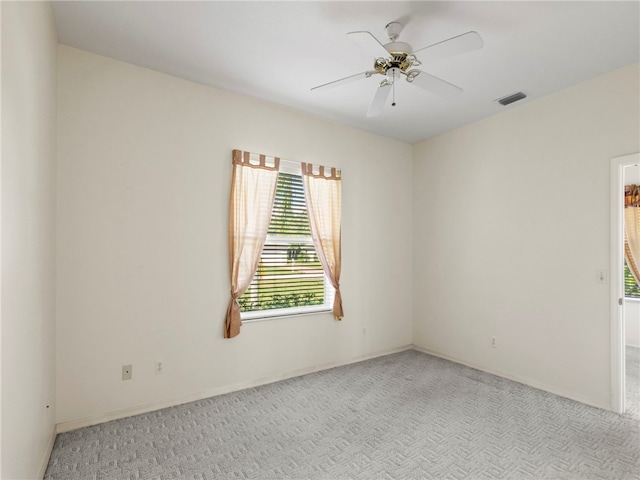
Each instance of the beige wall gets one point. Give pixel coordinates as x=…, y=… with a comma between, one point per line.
x=511, y=222
x=28, y=237
x=143, y=179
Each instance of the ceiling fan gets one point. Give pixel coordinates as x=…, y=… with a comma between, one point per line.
x=397, y=59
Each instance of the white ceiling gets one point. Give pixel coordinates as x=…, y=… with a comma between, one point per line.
x=278, y=51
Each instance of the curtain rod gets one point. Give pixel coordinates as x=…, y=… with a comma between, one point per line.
x=290, y=166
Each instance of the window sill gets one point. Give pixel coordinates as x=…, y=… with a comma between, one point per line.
x=632, y=299
x=283, y=312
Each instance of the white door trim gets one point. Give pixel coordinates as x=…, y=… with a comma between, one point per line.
x=617, y=282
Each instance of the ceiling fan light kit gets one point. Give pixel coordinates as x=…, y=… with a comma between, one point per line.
x=396, y=59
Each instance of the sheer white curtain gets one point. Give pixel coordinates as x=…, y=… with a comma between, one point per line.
x=253, y=190
x=323, y=194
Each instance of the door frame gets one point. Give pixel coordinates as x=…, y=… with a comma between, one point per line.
x=617, y=280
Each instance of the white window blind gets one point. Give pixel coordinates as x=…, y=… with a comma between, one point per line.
x=290, y=278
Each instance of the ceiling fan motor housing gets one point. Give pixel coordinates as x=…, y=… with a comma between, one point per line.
x=400, y=60
x=396, y=48
x=401, y=54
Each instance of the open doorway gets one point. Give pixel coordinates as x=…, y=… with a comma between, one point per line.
x=625, y=294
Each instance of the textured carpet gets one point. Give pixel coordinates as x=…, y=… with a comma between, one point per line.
x=407, y=415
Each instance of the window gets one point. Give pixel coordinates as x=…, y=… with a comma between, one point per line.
x=274, y=264
x=631, y=288
x=290, y=278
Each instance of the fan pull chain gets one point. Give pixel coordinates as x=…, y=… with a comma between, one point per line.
x=393, y=87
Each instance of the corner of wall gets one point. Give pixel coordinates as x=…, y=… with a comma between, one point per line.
x=27, y=286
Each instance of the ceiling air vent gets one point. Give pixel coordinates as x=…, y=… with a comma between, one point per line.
x=511, y=98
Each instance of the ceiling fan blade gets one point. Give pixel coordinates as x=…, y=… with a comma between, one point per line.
x=344, y=80
x=379, y=99
x=435, y=85
x=466, y=42
x=368, y=43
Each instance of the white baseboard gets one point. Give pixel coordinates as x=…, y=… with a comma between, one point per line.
x=516, y=378
x=150, y=407
x=47, y=453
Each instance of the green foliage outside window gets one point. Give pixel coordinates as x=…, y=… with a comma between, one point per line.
x=631, y=287
x=279, y=301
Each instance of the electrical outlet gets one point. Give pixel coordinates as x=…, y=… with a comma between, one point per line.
x=159, y=367
x=127, y=372
x=494, y=342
